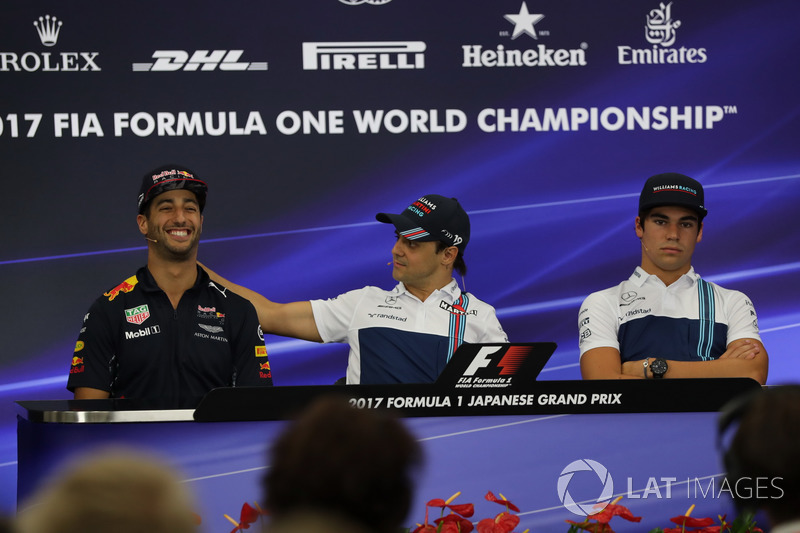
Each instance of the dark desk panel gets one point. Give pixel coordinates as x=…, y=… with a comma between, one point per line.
x=521, y=455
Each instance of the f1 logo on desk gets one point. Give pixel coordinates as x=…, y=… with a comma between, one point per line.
x=495, y=365
x=510, y=359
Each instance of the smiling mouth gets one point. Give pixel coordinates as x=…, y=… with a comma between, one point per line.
x=178, y=232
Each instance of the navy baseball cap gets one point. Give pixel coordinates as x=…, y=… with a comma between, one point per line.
x=432, y=218
x=169, y=177
x=672, y=188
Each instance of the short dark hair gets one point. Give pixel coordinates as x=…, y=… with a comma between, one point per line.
x=343, y=461
x=765, y=446
x=458, y=265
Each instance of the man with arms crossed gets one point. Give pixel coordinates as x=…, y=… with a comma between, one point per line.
x=168, y=332
x=665, y=321
x=407, y=334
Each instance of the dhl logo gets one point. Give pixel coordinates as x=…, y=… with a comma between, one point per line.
x=261, y=351
x=125, y=286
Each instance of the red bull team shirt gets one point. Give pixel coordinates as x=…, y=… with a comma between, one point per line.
x=134, y=344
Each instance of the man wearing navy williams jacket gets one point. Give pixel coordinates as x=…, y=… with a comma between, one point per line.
x=665, y=321
x=168, y=332
x=409, y=333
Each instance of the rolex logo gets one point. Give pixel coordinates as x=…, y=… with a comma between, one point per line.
x=48, y=28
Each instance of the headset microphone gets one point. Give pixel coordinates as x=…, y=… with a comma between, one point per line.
x=151, y=240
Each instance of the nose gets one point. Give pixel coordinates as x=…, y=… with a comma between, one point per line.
x=397, y=249
x=672, y=232
x=180, y=214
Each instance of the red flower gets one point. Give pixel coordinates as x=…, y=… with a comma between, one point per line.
x=687, y=521
x=611, y=510
x=492, y=498
x=454, y=523
x=248, y=516
x=464, y=509
x=502, y=523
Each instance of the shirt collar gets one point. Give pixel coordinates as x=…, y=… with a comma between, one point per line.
x=451, y=289
x=640, y=277
x=149, y=283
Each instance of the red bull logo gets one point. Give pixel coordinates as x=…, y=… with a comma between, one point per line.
x=77, y=365
x=125, y=286
x=264, y=366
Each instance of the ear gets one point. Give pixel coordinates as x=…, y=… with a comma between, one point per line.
x=700, y=233
x=141, y=220
x=449, y=255
x=639, y=227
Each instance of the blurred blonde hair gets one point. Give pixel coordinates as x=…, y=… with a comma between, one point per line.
x=113, y=490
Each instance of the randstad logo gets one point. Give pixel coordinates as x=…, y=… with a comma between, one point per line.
x=593, y=507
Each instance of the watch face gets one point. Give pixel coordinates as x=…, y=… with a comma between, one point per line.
x=658, y=367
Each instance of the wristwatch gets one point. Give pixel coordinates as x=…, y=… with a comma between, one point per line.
x=658, y=367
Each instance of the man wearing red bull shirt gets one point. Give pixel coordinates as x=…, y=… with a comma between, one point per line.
x=168, y=332
x=409, y=333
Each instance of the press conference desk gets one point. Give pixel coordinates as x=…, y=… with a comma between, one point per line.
x=657, y=439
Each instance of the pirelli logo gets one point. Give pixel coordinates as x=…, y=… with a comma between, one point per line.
x=377, y=55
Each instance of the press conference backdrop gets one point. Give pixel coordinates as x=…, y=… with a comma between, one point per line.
x=543, y=118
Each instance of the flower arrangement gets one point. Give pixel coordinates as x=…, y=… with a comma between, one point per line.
x=599, y=522
x=457, y=519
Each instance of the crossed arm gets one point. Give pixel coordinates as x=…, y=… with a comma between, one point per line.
x=295, y=319
x=743, y=358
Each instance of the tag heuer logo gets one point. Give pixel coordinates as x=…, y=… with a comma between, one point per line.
x=137, y=315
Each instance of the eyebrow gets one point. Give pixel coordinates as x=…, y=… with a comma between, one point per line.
x=665, y=217
x=172, y=201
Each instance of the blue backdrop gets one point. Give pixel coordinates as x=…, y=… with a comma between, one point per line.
x=543, y=117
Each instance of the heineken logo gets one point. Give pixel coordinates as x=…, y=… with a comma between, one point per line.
x=137, y=315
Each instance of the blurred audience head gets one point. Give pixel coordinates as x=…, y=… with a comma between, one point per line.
x=352, y=464
x=119, y=491
x=763, y=458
